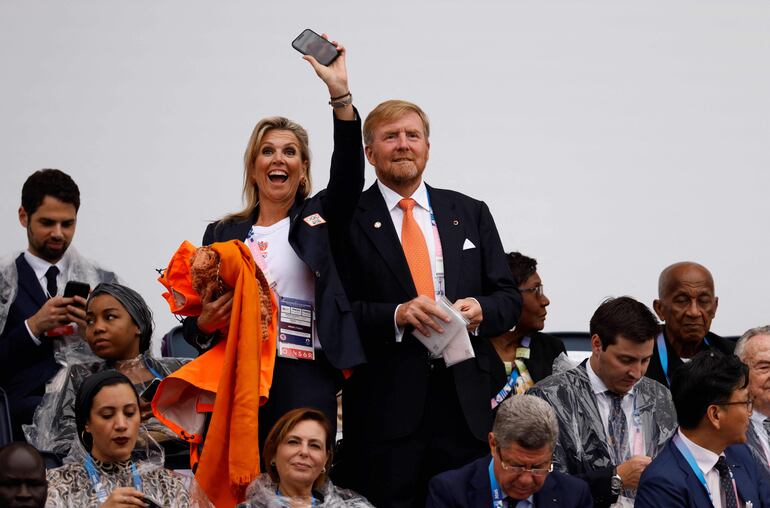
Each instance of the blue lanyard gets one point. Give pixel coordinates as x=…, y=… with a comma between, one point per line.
x=508, y=387
x=152, y=371
x=498, y=497
x=96, y=479
x=663, y=355
x=693, y=465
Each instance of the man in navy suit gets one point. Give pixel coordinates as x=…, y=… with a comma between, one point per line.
x=33, y=314
x=706, y=463
x=519, y=473
x=407, y=415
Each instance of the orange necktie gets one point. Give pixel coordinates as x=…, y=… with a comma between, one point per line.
x=416, y=251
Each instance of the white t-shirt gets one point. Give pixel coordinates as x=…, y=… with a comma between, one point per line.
x=287, y=274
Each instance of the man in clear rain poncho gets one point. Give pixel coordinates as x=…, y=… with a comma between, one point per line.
x=612, y=420
x=35, y=318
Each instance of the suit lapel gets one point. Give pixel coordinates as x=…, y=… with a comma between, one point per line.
x=28, y=281
x=480, y=493
x=548, y=495
x=742, y=479
x=696, y=488
x=450, y=231
x=374, y=220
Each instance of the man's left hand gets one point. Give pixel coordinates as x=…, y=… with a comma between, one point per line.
x=471, y=310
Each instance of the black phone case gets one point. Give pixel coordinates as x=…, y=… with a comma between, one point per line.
x=295, y=45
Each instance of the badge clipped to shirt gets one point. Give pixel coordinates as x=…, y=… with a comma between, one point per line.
x=295, y=329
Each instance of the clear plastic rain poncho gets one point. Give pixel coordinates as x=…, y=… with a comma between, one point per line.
x=583, y=444
x=71, y=485
x=263, y=493
x=78, y=269
x=53, y=428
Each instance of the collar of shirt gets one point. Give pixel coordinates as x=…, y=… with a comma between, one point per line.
x=758, y=418
x=524, y=503
x=392, y=197
x=40, y=266
x=706, y=459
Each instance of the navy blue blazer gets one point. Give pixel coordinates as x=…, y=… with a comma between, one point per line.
x=469, y=487
x=669, y=481
x=337, y=330
x=25, y=367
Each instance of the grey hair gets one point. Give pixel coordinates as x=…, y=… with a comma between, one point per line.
x=740, y=346
x=527, y=421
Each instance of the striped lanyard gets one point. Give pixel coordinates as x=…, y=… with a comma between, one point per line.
x=513, y=378
x=440, y=290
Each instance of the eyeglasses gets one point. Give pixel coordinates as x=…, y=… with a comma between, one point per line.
x=534, y=471
x=537, y=290
x=749, y=403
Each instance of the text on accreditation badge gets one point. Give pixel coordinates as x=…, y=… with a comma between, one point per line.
x=295, y=329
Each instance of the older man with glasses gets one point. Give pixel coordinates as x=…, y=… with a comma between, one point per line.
x=753, y=348
x=518, y=473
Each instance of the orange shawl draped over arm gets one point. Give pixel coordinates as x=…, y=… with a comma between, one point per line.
x=226, y=375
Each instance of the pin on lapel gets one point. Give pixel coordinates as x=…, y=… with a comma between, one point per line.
x=377, y=225
x=314, y=220
x=456, y=222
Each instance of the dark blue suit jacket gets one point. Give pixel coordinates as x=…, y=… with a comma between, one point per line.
x=669, y=481
x=25, y=367
x=391, y=389
x=469, y=487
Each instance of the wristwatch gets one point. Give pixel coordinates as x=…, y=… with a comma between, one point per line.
x=616, y=484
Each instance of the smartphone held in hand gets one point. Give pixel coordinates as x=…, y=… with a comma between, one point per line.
x=310, y=43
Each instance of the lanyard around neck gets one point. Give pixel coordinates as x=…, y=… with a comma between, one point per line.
x=685, y=451
x=663, y=355
x=498, y=496
x=96, y=479
x=508, y=387
x=439, y=253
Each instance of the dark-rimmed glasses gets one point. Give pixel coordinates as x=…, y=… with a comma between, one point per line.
x=748, y=402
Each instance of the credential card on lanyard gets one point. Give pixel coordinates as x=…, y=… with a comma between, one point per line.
x=295, y=329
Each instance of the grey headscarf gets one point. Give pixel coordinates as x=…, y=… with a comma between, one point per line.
x=135, y=306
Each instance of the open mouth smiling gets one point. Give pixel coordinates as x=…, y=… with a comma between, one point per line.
x=278, y=176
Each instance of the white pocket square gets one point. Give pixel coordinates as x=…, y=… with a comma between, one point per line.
x=468, y=245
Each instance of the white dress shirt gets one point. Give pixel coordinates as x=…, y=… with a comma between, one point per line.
x=421, y=212
x=40, y=267
x=706, y=460
x=756, y=421
x=604, y=401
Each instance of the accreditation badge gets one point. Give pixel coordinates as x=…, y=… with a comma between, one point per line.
x=295, y=329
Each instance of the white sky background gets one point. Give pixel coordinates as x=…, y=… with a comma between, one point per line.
x=608, y=138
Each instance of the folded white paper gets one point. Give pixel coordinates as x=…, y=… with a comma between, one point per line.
x=453, y=343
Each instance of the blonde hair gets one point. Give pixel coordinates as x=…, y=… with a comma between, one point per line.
x=250, y=189
x=389, y=111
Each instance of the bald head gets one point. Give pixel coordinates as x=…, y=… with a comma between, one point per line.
x=22, y=477
x=671, y=276
x=686, y=302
